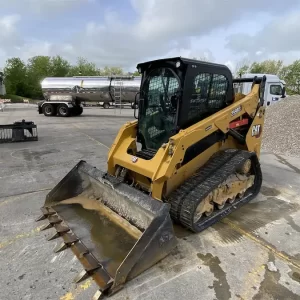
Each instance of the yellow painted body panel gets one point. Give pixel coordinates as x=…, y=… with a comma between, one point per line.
x=163, y=173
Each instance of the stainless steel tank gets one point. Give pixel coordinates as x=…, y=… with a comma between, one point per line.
x=93, y=88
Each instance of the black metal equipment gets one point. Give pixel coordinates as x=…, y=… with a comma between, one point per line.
x=20, y=131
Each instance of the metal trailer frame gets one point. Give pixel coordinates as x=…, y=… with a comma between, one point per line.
x=18, y=132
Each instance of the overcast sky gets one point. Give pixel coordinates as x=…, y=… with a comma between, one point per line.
x=126, y=32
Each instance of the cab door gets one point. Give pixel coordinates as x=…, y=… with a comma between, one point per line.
x=274, y=93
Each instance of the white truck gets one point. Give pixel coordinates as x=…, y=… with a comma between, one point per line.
x=274, y=89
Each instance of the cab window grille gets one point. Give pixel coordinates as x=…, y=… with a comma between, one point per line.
x=208, y=97
x=158, y=121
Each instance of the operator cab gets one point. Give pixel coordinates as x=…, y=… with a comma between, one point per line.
x=176, y=93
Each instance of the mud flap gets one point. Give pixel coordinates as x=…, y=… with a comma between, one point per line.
x=116, y=231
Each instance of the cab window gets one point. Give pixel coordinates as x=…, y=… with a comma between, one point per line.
x=208, y=97
x=276, y=89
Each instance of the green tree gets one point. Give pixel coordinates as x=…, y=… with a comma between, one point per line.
x=291, y=75
x=59, y=67
x=84, y=68
x=107, y=71
x=15, y=73
x=136, y=73
x=242, y=70
x=38, y=67
x=267, y=66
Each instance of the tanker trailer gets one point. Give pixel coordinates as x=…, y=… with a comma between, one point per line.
x=71, y=92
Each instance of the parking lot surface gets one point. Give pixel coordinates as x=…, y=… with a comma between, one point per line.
x=252, y=254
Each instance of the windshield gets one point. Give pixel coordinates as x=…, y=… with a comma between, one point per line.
x=157, y=120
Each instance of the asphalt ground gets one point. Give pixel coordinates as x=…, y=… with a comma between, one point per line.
x=252, y=254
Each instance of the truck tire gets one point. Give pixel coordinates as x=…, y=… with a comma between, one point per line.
x=106, y=105
x=133, y=106
x=78, y=110
x=49, y=110
x=63, y=110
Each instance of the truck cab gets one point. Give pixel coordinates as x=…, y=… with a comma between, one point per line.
x=274, y=88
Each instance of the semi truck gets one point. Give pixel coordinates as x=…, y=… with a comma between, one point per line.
x=66, y=95
x=274, y=91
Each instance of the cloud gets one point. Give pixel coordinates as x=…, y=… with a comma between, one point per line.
x=162, y=27
x=8, y=24
x=9, y=37
x=41, y=6
x=173, y=18
x=159, y=28
x=278, y=37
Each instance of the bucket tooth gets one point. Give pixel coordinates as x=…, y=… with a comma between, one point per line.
x=47, y=226
x=70, y=238
x=90, y=263
x=54, y=219
x=98, y=295
x=103, y=279
x=54, y=236
x=82, y=254
x=60, y=248
x=83, y=275
x=61, y=229
x=80, y=250
x=46, y=212
x=40, y=218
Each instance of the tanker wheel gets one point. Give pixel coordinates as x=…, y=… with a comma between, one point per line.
x=106, y=105
x=77, y=111
x=63, y=110
x=133, y=106
x=49, y=110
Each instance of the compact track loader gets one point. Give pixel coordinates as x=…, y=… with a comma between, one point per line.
x=191, y=157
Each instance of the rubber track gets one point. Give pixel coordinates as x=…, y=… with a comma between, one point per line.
x=187, y=197
x=177, y=197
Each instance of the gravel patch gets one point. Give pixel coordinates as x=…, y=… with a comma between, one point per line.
x=281, y=133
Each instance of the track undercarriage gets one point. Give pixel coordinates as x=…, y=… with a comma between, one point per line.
x=228, y=180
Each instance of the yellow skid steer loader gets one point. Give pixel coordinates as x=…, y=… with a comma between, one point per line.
x=191, y=157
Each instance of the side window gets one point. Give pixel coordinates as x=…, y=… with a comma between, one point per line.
x=217, y=95
x=208, y=97
x=276, y=89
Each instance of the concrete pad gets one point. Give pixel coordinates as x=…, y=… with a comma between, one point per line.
x=230, y=260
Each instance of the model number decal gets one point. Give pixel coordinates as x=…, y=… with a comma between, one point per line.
x=236, y=110
x=256, y=129
x=208, y=128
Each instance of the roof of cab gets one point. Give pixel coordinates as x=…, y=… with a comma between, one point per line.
x=184, y=60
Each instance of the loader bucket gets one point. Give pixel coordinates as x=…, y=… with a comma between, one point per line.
x=115, y=231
